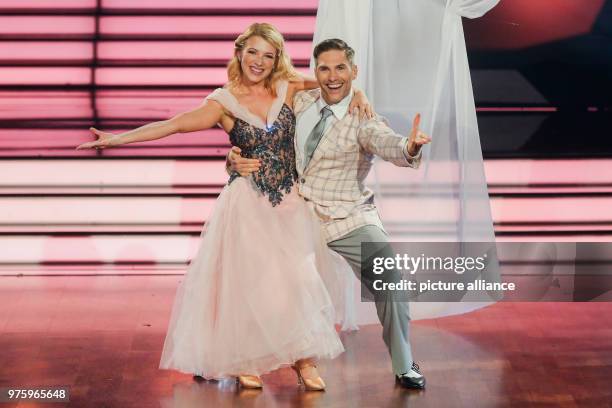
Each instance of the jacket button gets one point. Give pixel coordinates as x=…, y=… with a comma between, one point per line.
x=302, y=180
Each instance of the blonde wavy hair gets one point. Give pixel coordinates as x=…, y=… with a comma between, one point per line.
x=283, y=68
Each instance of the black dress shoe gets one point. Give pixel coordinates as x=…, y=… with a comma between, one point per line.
x=411, y=382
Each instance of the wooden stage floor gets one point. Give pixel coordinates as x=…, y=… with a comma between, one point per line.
x=102, y=336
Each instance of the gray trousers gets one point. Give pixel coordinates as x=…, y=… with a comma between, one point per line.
x=393, y=315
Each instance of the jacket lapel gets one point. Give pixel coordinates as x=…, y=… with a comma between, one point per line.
x=328, y=139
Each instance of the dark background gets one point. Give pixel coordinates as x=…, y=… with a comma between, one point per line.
x=542, y=77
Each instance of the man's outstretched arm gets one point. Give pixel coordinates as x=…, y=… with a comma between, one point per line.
x=376, y=137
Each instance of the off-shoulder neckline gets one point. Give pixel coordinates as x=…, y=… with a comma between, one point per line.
x=242, y=112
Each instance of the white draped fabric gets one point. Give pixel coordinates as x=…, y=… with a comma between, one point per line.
x=411, y=57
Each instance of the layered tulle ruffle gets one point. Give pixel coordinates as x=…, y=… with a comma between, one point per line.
x=254, y=298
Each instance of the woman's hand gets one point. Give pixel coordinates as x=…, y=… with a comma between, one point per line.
x=105, y=139
x=362, y=104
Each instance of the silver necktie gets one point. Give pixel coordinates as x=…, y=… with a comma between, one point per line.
x=315, y=136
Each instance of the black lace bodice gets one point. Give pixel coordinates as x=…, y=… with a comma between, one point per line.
x=274, y=148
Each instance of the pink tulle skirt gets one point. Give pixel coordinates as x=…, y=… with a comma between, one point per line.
x=254, y=297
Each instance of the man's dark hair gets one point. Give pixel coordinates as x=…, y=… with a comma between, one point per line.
x=334, y=44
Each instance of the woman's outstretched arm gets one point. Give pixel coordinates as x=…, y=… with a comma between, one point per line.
x=204, y=117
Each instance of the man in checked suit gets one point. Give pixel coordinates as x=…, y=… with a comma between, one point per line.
x=334, y=153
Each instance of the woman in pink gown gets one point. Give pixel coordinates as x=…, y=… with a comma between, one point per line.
x=256, y=296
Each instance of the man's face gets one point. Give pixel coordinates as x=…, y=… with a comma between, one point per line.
x=335, y=75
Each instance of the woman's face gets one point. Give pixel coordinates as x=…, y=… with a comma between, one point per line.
x=257, y=60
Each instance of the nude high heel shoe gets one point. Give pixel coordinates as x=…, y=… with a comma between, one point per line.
x=310, y=384
x=250, y=381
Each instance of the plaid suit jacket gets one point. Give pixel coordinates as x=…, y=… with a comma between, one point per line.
x=333, y=181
